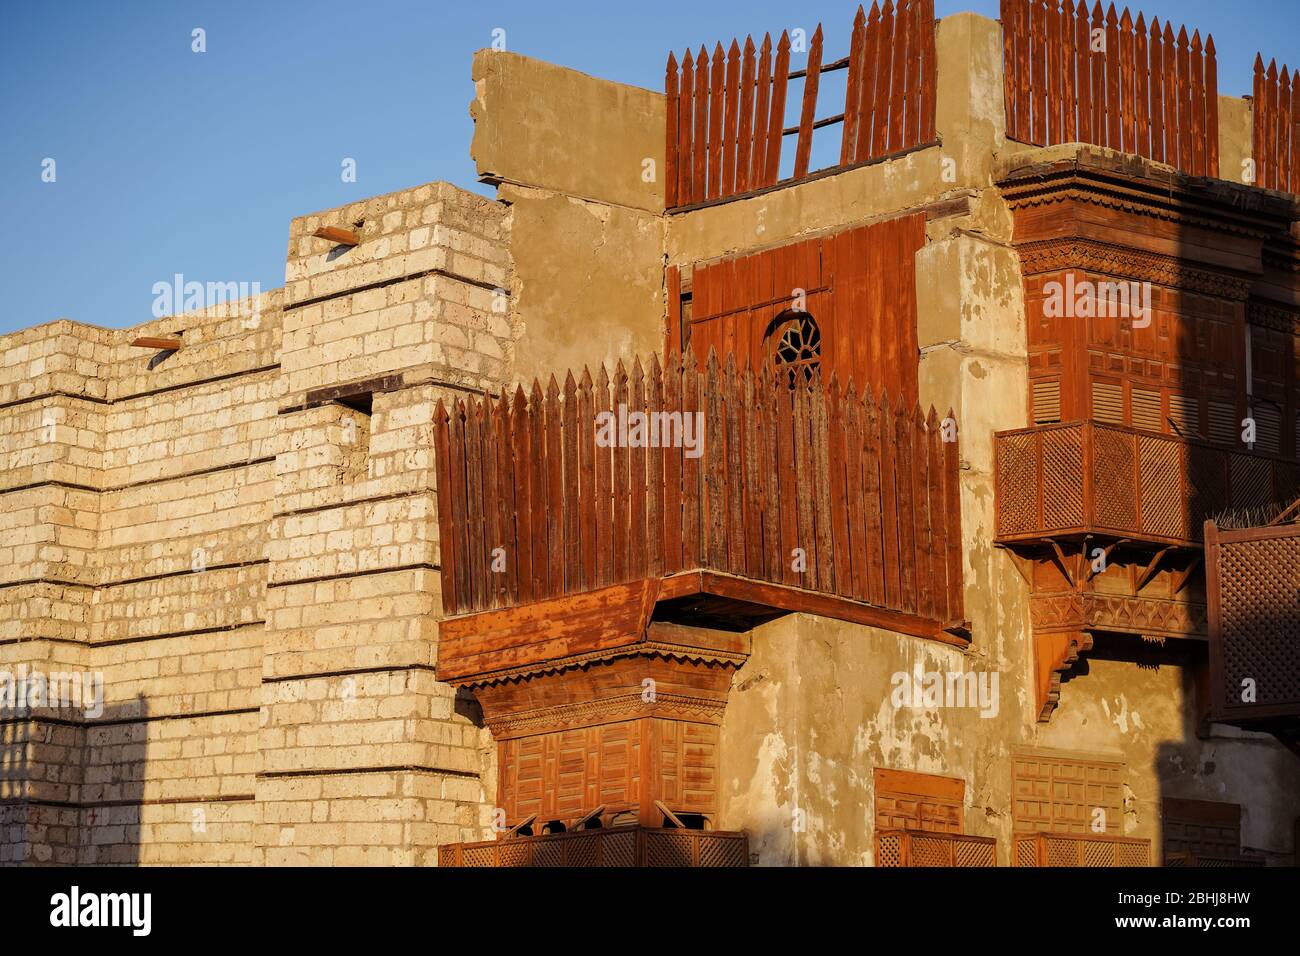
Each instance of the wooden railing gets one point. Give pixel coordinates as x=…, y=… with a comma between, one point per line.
x=811, y=486
x=1075, y=77
x=726, y=112
x=925, y=848
x=1201, y=860
x=1276, y=111
x=1254, y=623
x=621, y=846
x=1075, y=478
x=1079, y=850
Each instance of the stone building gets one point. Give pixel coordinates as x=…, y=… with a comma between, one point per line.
x=359, y=592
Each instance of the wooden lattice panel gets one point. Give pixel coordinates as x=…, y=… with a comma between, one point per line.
x=1163, y=504
x=1067, y=850
x=620, y=847
x=1113, y=478
x=1207, y=484
x=1017, y=484
x=918, y=801
x=1062, y=458
x=1252, y=485
x=668, y=849
x=1253, y=584
x=920, y=848
x=1057, y=793
x=1026, y=850
x=889, y=851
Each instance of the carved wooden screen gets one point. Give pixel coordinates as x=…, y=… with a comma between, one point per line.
x=561, y=775
x=1183, y=373
x=1057, y=792
x=858, y=285
x=918, y=801
x=1274, y=379
x=1251, y=581
x=1201, y=828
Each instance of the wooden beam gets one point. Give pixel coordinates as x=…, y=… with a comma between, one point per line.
x=1059, y=559
x=663, y=808
x=1149, y=571
x=1182, y=577
x=344, y=237
x=166, y=345
x=549, y=630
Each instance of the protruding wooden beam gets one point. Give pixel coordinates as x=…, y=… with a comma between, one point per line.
x=344, y=237
x=1149, y=572
x=166, y=345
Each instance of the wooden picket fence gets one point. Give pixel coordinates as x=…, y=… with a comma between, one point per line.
x=726, y=112
x=531, y=505
x=1277, y=127
x=1075, y=77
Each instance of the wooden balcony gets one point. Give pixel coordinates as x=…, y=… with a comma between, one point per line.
x=1077, y=479
x=620, y=846
x=1254, y=627
x=749, y=497
x=1079, y=850
x=927, y=848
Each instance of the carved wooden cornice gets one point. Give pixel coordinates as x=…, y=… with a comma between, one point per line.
x=1137, y=187
x=1274, y=317
x=1091, y=255
x=606, y=710
x=645, y=649
x=1073, y=611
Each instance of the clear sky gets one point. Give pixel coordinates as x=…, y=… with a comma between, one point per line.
x=173, y=161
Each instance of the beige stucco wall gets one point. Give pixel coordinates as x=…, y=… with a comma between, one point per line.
x=580, y=162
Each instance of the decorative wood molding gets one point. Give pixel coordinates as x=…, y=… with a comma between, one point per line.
x=1123, y=262
x=1072, y=610
x=1054, y=655
x=630, y=706
x=1278, y=318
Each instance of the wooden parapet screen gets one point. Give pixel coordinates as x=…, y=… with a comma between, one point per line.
x=1276, y=148
x=1074, y=76
x=603, y=482
x=926, y=848
x=1076, y=850
x=1254, y=616
x=618, y=846
x=726, y=109
x=1075, y=478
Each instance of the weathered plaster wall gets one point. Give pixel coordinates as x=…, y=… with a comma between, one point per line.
x=1236, y=137
x=580, y=162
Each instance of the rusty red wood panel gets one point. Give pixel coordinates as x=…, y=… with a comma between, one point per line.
x=534, y=478
x=745, y=132
x=672, y=132
x=730, y=121
x=803, y=149
x=1102, y=77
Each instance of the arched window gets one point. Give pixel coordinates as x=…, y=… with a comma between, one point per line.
x=794, y=346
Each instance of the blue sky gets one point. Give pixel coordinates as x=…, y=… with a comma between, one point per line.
x=172, y=161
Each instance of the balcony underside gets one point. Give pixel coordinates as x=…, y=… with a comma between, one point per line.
x=612, y=621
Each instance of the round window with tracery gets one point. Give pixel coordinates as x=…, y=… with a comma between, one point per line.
x=795, y=345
